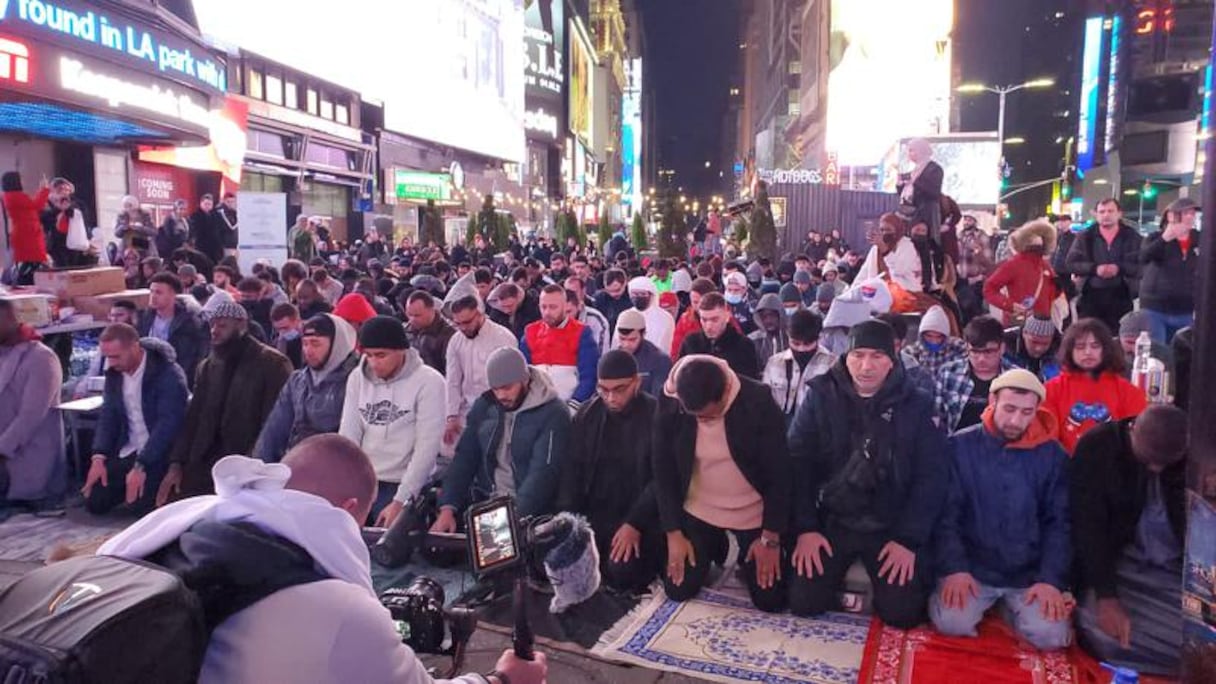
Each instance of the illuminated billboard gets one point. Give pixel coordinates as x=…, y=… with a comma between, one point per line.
x=971, y=163
x=888, y=79
x=448, y=71
x=582, y=63
x=631, y=135
x=545, y=70
x=1091, y=70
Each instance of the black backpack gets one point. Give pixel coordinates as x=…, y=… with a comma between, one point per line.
x=110, y=620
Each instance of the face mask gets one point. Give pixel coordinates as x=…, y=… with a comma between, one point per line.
x=920, y=240
x=291, y=335
x=888, y=239
x=934, y=347
x=641, y=303
x=789, y=310
x=732, y=298
x=803, y=357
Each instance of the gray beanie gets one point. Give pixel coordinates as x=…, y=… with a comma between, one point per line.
x=1133, y=323
x=506, y=366
x=825, y=293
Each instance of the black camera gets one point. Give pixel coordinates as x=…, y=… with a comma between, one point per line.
x=397, y=544
x=417, y=611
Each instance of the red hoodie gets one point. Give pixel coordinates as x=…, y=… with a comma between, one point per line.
x=29, y=244
x=1081, y=402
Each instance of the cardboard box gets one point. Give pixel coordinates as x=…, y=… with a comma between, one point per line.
x=98, y=306
x=33, y=308
x=67, y=285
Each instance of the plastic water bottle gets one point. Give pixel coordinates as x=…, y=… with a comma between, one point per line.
x=1148, y=373
x=1122, y=675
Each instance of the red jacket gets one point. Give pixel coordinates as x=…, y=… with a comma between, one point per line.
x=25, y=225
x=1080, y=402
x=1019, y=277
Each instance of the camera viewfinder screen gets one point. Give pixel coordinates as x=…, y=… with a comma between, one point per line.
x=495, y=545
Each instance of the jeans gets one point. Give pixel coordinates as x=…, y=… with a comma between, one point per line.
x=1027, y=620
x=1163, y=326
x=384, y=496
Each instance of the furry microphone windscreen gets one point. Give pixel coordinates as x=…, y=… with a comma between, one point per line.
x=573, y=564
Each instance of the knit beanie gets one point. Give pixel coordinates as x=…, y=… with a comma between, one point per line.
x=1019, y=378
x=790, y=294
x=354, y=309
x=383, y=332
x=802, y=278
x=825, y=293
x=506, y=366
x=1133, y=323
x=617, y=365
x=873, y=334
x=1040, y=327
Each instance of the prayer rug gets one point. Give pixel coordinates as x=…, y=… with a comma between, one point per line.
x=720, y=637
x=996, y=656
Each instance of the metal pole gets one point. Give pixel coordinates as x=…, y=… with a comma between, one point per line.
x=1200, y=642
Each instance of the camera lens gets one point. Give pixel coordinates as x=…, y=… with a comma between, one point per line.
x=426, y=588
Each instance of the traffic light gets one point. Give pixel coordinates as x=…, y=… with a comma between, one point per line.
x=1149, y=191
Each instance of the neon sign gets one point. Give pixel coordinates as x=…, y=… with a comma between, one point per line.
x=1150, y=20
x=75, y=77
x=14, y=61
x=88, y=26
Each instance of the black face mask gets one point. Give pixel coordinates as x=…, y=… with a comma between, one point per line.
x=888, y=238
x=920, y=240
x=640, y=302
x=802, y=358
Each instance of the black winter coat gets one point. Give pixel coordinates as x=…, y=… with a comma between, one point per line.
x=755, y=433
x=909, y=499
x=1168, y=275
x=732, y=347
x=636, y=504
x=1109, y=488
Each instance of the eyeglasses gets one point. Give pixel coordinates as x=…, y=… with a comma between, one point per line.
x=985, y=351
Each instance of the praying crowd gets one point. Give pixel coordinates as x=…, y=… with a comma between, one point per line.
x=954, y=415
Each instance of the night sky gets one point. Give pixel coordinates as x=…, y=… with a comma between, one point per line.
x=692, y=49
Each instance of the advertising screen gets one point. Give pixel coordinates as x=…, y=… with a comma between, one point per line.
x=631, y=135
x=888, y=79
x=581, y=65
x=447, y=71
x=1091, y=69
x=972, y=168
x=545, y=70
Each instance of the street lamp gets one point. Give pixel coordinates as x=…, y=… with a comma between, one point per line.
x=1018, y=140
x=1001, y=92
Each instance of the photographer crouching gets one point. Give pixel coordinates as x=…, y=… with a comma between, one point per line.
x=274, y=524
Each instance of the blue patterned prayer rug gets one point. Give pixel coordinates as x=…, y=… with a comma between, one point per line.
x=722, y=638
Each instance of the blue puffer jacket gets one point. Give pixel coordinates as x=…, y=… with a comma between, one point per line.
x=1006, y=519
x=163, y=400
x=539, y=432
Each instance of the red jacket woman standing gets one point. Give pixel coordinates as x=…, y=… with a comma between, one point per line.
x=24, y=226
x=1025, y=284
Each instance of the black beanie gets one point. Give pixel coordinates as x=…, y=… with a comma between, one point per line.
x=873, y=334
x=383, y=332
x=319, y=326
x=617, y=365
